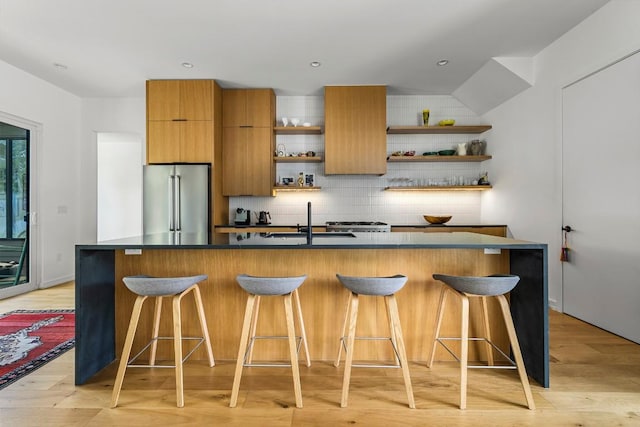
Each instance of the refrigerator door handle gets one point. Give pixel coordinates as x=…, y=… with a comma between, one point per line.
x=171, y=197
x=178, y=204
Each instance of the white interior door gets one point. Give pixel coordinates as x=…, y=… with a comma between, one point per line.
x=601, y=198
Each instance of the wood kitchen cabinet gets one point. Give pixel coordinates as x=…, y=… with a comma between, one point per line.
x=180, y=121
x=184, y=125
x=248, y=142
x=248, y=107
x=355, y=130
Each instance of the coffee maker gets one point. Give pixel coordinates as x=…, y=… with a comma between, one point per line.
x=243, y=217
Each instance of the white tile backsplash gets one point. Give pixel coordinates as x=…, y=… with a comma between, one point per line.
x=362, y=198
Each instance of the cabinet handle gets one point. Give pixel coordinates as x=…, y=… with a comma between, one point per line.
x=179, y=120
x=246, y=126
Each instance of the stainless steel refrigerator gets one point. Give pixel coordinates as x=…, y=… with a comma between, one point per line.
x=176, y=198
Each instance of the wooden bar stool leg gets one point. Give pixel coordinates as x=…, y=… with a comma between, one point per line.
x=439, y=316
x=487, y=330
x=353, y=317
x=126, y=351
x=242, y=348
x=254, y=326
x=464, y=349
x=343, y=331
x=392, y=332
x=177, y=348
x=293, y=349
x=203, y=324
x=156, y=331
x=395, y=321
x=515, y=347
x=303, y=332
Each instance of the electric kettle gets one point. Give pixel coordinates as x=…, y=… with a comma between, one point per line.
x=264, y=217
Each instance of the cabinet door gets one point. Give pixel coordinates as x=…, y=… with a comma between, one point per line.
x=234, y=161
x=163, y=141
x=260, y=107
x=247, y=167
x=248, y=107
x=163, y=99
x=260, y=166
x=196, y=100
x=355, y=130
x=196, y=141
x=234, y=113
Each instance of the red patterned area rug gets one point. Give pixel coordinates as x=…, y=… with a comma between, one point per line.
x=31, y=338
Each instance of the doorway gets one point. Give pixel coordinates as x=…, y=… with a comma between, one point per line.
x=14, y=205
x=601, y=200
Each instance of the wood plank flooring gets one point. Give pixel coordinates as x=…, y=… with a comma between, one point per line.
x=595, y=381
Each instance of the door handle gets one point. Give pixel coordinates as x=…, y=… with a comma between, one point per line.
x=567, y=228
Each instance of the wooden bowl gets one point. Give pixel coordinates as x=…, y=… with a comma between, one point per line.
x=431, y=219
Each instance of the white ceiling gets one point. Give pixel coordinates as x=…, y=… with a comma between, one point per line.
x=110, y=47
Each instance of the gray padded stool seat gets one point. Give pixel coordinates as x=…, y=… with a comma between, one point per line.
x=378, y=287
x=158, y=288
x=464, y=287
x=258, y=287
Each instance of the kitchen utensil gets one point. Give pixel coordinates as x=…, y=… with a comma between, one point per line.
x=295, y=122
x=446, y=122
x=434, y=219
x=285, y=121
x=462, y=149
x=430, y=153
x=447, y=152
x=306, y=124
x=282, y=150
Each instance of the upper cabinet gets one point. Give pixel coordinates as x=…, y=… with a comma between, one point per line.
x=248, y=108
x=355, y=130
x=179, y=100
x=248, y=116
x=180, y=125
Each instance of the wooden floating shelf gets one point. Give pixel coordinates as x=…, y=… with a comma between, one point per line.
x=293, y=188
x=437, y=129
x=298, y=130
x=437, y=158
x=443, y=188
x=297, y=159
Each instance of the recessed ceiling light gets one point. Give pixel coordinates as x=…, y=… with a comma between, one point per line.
x=443, y=62
x=187, y=65
x=315, y=64
x=60, y=66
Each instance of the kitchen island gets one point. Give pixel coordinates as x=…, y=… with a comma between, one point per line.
x=103, y=304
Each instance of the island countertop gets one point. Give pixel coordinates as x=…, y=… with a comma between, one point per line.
x=103, y=304
x=319, y=241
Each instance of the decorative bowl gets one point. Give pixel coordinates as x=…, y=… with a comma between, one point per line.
x=446, y=122
x=433, y=219
x=447, y=152
x=430, y=153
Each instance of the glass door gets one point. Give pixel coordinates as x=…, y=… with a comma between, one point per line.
x=14, y=205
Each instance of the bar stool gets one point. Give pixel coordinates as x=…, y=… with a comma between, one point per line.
x=465, y=287
x=258, y=287
x=160, y=287
x=381, y=287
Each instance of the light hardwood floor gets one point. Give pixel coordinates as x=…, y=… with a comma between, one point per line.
x=595, y=381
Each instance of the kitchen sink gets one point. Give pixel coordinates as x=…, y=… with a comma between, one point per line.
x=320, y=234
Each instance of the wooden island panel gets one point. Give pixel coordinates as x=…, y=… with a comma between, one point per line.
x=323, y=298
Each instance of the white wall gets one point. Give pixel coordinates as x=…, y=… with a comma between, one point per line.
x=527, y=131
x=119, y=186
x=117, y=115
x=59, y=115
